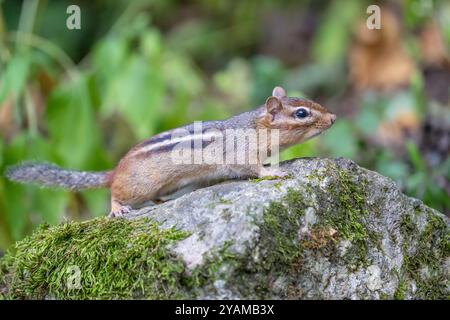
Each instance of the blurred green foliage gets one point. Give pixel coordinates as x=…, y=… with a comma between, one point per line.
x=82, y=98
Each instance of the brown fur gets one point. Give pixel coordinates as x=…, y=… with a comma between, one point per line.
x=292, y=130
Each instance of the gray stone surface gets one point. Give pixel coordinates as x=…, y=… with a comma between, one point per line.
x=357, y=235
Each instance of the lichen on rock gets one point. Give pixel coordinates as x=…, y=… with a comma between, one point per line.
x=332, y=230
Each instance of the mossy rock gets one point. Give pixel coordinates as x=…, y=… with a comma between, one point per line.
x=331, y=231
x=114, y=258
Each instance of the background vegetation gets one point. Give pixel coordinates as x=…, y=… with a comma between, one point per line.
x=82, y=98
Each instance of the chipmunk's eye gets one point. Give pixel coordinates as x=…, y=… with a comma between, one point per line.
x=301, y=113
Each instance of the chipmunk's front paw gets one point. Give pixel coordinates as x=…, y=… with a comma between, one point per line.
x=273, y=173
x=119, y=212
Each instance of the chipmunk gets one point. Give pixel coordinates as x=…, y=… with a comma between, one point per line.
x=148, y=171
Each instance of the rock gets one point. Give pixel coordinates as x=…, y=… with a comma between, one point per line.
x=331, y=231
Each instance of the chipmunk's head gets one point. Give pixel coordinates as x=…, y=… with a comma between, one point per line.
x=297, y=119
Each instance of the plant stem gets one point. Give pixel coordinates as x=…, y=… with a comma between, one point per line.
x=26, y=20
x=47, y=47
x=31, y=113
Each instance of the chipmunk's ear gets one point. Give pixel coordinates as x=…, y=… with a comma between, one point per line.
x=273, y=105
x=279, y=92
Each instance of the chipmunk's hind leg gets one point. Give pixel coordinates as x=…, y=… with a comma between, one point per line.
x=117, y=209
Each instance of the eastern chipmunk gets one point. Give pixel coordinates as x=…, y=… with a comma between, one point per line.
x=148, y=171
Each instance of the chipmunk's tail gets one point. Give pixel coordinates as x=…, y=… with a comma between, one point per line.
x=49, y=175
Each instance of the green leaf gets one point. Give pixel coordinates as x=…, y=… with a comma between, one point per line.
x=234, y=81
x=175, y=65
x=137, y=94
x=24, y=201
x=266, y=72
x=151, y=44
x=368, y=119
x=15, y=76
x=48, y=204
x=340, y=139
x=1, y=153
x=416, y=184
x=415, y=157
x=307, y=149
x=332, y=38
x=5, y=235
x=71, y=124
x=417, y=12
x=387, y=165
x=310, y=77
x=97, y=201
x=16, y=208
x=110, y=57
x=417, y=89
x=14, y=196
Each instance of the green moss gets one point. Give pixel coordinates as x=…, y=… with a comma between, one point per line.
x=281, y=250
x=384, y=296
x=399, y=293
x=225, y=201
x=277, y=185
x=116, y=259
x=279, y=230
x=407, y=226
x=278, y=249
x=256, y=180
x=424, y=252
x=209, y=271
x=340, y=210
x=347, y=213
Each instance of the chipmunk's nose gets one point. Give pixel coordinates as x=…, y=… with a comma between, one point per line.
x=332, y=118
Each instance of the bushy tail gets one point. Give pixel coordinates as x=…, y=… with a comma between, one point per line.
x=50, y=175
